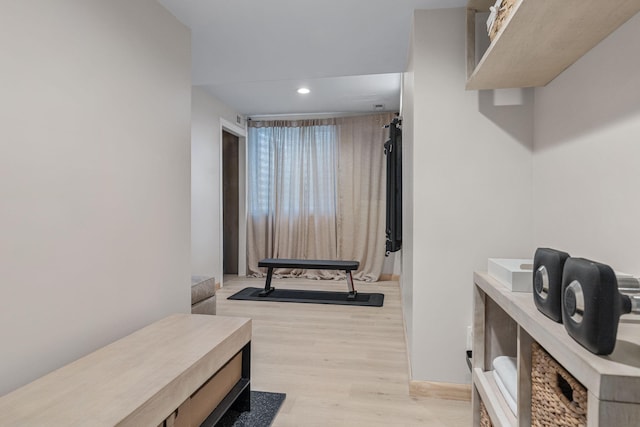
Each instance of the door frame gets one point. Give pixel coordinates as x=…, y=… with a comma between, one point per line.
x=241, y=133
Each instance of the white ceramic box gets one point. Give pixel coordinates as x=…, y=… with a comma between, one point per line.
x=515, y=274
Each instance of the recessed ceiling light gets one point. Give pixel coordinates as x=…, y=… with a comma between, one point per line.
x=303, y=90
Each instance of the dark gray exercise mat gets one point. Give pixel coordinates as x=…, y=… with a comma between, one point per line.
x=308, y=296
x=264, y=408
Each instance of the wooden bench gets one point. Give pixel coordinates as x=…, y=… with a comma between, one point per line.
x=184, y=367
x=308, y=264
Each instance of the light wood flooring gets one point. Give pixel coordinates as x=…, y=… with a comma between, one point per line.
x=338, y=365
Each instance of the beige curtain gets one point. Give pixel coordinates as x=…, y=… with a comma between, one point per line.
x=362, y=191
x=292, y=193
x=317, y=191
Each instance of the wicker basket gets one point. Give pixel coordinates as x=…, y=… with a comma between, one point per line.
x=557, y=399
x=501, y=16
x=485, y=421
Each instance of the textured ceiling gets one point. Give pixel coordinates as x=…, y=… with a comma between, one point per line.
x=254, y=54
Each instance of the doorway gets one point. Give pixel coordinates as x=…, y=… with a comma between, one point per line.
x=230, y=202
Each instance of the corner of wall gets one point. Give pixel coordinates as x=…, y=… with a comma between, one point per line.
x=208, y=114
x=471, y=187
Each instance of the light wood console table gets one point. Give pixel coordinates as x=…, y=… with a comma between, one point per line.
x=141, y=379
x=506, y=323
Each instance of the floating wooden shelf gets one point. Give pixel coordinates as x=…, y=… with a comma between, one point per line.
x=540, y=39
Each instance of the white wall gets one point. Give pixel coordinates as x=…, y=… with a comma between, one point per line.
x=586, y=170
x=406, y=253
x=94, y=177
x=206, y=184
x=471, y=183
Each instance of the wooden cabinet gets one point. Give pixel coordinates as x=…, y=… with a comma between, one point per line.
x=506, y=323
x=540, y=39
x=141, y=379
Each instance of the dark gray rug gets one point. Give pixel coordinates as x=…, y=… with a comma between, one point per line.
x=264, y=408
x=315, y=297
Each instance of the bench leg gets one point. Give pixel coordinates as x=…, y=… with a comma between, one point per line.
x=267, y=286
x=243, y=402
x=352, y=291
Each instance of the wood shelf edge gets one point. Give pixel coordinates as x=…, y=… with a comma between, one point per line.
x=520, y=54
x=499, y=412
